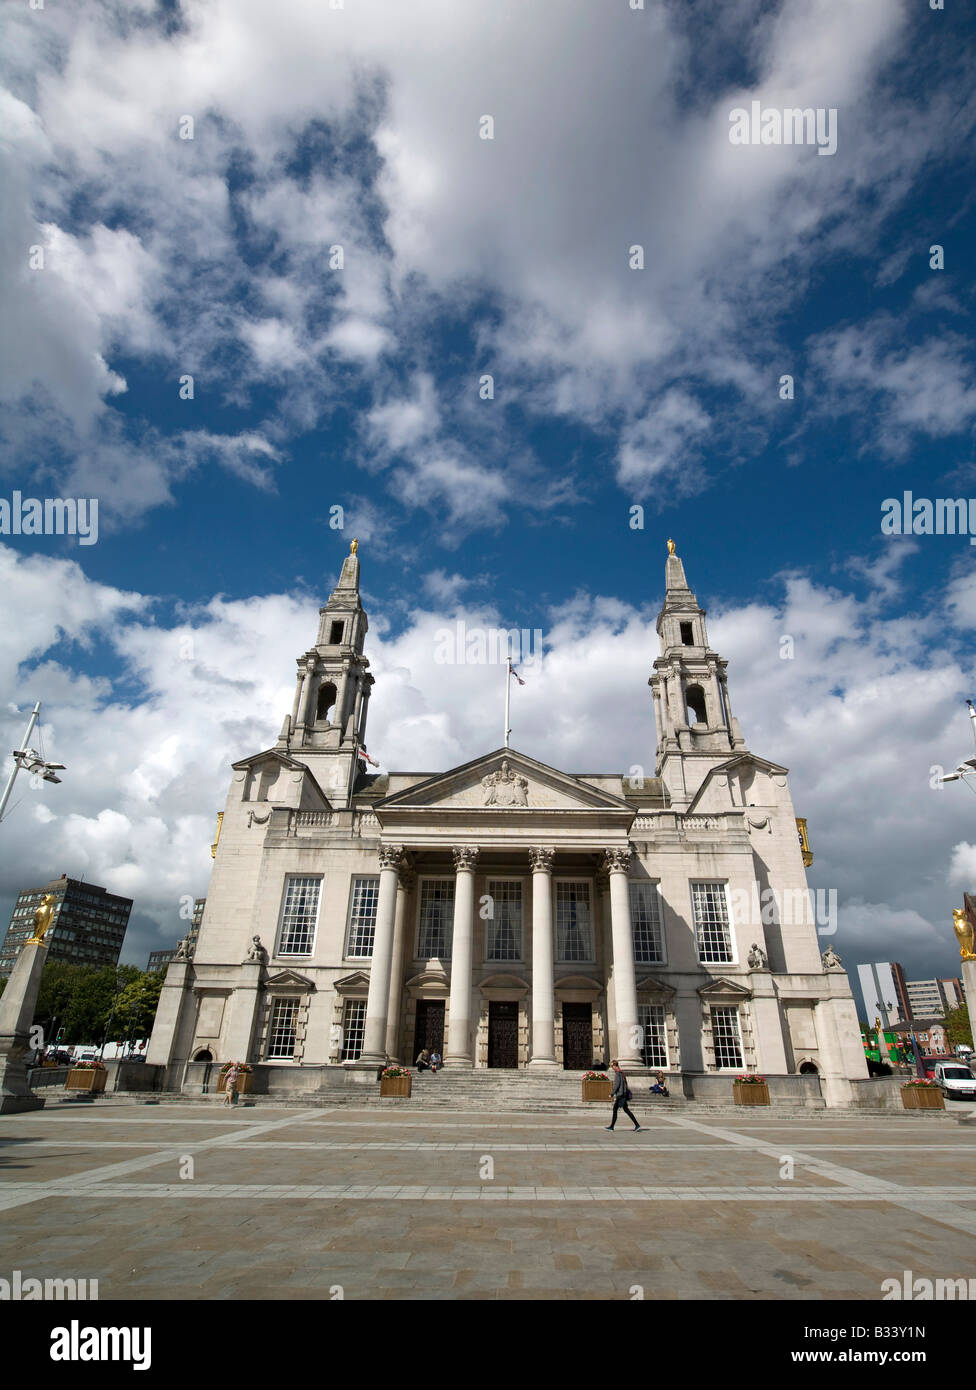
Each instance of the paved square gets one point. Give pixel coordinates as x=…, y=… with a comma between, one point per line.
x=182, y=1201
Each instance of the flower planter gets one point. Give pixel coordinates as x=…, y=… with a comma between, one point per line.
x=922, y=1098
x=750, y=1092
x=243, y=1087
x=596, y=1090
x=86, y=1079
x=395, y=1086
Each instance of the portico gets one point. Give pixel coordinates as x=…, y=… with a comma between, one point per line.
x=470, y=896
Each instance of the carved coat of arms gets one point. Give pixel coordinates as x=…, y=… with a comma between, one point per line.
x=505, y=787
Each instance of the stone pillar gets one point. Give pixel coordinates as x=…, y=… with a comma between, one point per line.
x=16, y=1016
x=394, y=1006
x=242, y=1012
x=166, y=1025
x=459, y=1045
x=543, y=988
x=767, y=1025
x=624, y=973
x=377, y=1001
x=306, y=692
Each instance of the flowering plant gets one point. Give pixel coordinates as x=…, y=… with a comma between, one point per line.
x=750, y=1079
x=241, y=1066
x=595, y=1076
x=395, y=1071
x=919, y=1081
x=88, y=1066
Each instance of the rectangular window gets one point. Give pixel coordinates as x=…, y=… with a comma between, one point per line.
x=645, y=920
x=655, y=1047
x=503, y=930
x=574, y=923
x=362, y=916
x=353, y=1029
x=281, y=1031
x=299, y=916
x=436, y=918
x=712, y=925
x=727, y=1039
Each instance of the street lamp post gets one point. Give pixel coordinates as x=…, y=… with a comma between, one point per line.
x=28, y=760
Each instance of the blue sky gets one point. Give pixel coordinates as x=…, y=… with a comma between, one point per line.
x=359, y=387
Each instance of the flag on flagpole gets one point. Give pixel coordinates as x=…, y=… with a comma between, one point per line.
x=512, y=672
x=364, y=754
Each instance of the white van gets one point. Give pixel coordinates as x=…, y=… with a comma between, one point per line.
x=956, y=1080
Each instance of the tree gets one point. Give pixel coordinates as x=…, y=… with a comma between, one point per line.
x=137, y=1004
x=958, y=1027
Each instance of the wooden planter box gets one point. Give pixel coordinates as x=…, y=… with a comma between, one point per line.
x=922, y=1098
x=750, y=1092
x=86, y=1079
x=395, y=1085
x=596, y=1090
x=244, y=1080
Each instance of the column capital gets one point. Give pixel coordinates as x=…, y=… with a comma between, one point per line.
x=391, y=856
x=465, y=857
x=617, y=860
x=542, y=858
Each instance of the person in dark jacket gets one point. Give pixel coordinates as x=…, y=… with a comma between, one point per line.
x=620, y=1095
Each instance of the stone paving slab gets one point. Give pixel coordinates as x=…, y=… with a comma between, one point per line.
x=297, y=1203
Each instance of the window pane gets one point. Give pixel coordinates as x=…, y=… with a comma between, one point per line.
x=655, y=1049
x=362, y=916
x=574, y=928
x=299, y=915
x=353, y=1029
x=712, y=922
x=645, y=920
x=504, y=930
x=725, y=1034
x=281, y=1034
x=436, y=918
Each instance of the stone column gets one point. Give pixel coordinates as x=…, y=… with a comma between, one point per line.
x=16, y=1016
x=377, y=1001
x=306, y=692
x=624, y=973
x=459, y=1046
x=242, y=1010
x=543, y=990
x=405, y=886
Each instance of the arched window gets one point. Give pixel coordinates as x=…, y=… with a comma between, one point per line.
x=695, y=700
x=808, y=1069
x=204, y=1056
x=327, y=699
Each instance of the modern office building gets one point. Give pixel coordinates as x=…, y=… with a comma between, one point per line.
x=884, y=990
x=88, y=926
x=934, y=998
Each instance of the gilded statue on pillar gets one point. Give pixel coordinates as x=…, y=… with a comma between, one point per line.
x=43, y=917
x=963, y=928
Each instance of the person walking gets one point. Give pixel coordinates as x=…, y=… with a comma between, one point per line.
x=230, y=1086
x=620, y=1095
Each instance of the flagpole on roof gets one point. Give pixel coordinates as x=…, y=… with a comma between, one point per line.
x=508, y=698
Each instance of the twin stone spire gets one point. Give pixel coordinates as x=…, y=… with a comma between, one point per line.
x=692, y=713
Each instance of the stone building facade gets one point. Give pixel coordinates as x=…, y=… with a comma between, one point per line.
x=506, y=912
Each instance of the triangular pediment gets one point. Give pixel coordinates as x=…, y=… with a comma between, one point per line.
x=273, y=757
x=358, y=979
x=725, y=989
x=736, y=767
x=290, y=979
x=504, y=780
x=650, y=984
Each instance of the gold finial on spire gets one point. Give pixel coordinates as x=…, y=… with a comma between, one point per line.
x=670, y=547
x=353, y=547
